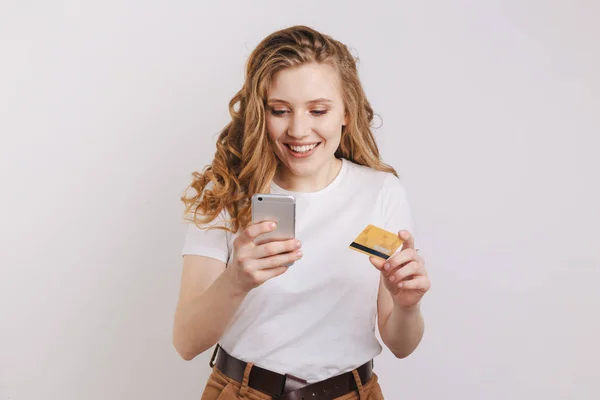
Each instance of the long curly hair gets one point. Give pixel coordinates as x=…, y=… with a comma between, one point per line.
x=245, y=163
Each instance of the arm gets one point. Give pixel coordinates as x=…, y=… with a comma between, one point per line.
x=401, y=329
x=204, y=288
x=211, y=293
x=404, y=281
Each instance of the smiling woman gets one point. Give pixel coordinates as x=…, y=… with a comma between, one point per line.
x=300, y=127
x=288, y=73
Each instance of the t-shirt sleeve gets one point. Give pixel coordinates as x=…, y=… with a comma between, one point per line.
x=213, y=243
x=397, y=210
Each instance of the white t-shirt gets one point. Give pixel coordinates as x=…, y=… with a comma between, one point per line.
x=318, y=319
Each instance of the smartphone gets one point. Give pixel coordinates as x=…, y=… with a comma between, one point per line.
x=279, y=208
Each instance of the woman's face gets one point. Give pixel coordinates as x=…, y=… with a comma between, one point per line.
x=305, y=114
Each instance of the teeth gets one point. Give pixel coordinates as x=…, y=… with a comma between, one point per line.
x=303, y=149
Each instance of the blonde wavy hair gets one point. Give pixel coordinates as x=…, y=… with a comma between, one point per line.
x=245, y=163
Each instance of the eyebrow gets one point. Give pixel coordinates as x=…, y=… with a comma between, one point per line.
x=319, y=100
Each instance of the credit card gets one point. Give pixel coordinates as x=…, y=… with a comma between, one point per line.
x=377, y=242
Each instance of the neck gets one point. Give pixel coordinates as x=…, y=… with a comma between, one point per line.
x=285, y=179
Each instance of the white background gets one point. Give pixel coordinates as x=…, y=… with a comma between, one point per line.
x=491, y=114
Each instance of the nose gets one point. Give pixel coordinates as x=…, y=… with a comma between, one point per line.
x=299, y=126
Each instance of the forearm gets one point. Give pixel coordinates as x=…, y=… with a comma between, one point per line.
x=201, y=321
x=403, y=330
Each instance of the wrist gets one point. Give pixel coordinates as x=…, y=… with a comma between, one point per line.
x=404, y=309
x=231, y=283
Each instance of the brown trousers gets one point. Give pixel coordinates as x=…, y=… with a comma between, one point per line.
x=221, y=387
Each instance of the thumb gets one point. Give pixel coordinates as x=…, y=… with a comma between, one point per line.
x=408, y=239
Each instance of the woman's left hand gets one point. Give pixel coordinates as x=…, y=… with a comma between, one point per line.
x=404, y=274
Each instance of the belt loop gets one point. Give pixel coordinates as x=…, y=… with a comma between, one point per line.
x=361, y=391
x=245, y=380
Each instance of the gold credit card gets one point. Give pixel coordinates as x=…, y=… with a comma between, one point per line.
x=376, y=242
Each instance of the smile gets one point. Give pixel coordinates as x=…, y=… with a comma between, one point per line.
x=301, y=151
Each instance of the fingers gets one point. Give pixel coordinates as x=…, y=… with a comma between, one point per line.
x=265, y=274
x=420, y=283
x=278, y=260
x=404, y=257
x=400, y=274
x=254, y=230
x=277, y=247
x=251, y=264
x=406, y=266
x=257, y=271
x=404, y=270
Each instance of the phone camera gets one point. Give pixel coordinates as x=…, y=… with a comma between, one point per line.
x=260, y=199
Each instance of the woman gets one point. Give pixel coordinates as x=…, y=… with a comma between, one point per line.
x=301, y=126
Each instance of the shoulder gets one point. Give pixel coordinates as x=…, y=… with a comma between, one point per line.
x=384, y=182
x=200, y=221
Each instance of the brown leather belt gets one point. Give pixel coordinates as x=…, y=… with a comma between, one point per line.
x=289, y=387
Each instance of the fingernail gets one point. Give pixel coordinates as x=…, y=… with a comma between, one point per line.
x=386, y=266
x=298, y=244
x=272, y=225
x=399, y=284
x=392, y=278
x=299, y=253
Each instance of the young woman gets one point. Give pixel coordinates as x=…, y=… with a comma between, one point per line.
x=301, y=126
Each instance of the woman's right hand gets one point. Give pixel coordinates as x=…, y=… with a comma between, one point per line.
x=252, y=264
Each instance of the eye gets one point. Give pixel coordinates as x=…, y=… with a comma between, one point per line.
x=318, y=112
x=279, y=112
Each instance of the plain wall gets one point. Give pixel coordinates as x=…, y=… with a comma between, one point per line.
x=491, y=114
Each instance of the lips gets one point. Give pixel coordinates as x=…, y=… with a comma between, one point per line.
x=298, y=150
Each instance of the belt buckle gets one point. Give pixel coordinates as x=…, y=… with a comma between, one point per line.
x=292, y=383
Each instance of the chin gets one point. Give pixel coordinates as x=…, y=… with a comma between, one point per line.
x=302, y=168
